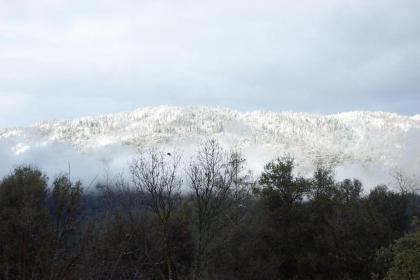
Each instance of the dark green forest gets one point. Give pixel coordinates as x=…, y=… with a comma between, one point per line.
x=207, y=219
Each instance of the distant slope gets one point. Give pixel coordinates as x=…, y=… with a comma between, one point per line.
x=362, y=138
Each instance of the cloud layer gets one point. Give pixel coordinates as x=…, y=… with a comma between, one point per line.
x=62, y=59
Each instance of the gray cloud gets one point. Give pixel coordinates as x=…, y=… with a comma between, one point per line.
x=62, y=59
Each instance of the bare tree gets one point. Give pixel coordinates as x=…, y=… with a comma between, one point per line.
x=156, y=176
x=214, y=178
x=136, y=252
x=405, y=183
x=242, y=182
x=408, y=185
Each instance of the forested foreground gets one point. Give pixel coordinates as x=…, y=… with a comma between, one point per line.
x=208, y=219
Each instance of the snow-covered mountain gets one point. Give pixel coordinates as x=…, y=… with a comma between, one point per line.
x=355, y=138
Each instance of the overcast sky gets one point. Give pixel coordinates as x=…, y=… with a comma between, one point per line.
x=64, y=59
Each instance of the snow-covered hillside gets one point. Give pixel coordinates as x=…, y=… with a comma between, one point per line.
x=354, y=138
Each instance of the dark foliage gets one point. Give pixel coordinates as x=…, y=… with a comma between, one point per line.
x=281, y=226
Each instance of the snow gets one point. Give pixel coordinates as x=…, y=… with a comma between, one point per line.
x=352, y=138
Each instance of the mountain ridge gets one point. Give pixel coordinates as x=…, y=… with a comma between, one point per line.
x=359, y=137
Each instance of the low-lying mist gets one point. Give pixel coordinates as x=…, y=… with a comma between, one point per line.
x=100, y=164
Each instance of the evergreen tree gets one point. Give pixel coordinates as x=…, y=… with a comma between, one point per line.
x=25, y=228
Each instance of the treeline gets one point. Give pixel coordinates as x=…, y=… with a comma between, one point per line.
x=207, y=220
